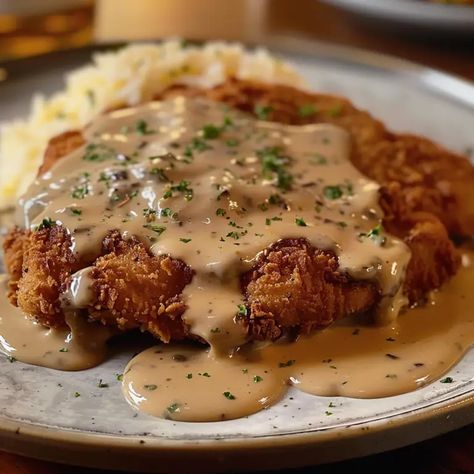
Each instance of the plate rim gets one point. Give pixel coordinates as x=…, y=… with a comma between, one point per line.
x=428, y=15
x=301, y=448
x=442, y=416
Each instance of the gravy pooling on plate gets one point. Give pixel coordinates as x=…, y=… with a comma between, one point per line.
x=213, y=187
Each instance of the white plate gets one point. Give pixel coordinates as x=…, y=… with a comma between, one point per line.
x=434, y=17
x=41, y=419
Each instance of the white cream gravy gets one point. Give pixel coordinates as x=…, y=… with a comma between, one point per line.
x=212, y=186
x=349, y=359
x=81, y=347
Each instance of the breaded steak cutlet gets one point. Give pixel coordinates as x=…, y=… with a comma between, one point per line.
x=426, y=194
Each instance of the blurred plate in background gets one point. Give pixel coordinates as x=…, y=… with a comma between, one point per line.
x=422, y=14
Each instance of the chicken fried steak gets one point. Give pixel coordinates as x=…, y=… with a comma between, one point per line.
x=296, y=282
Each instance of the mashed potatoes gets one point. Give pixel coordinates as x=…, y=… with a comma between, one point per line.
x=130, y=75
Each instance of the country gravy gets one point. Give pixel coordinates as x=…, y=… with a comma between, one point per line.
x=214, y=187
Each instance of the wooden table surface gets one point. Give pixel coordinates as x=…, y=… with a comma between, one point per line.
x=452, y=453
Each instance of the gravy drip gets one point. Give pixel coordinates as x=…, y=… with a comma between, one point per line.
x=347, y=359
x=80, y=347
x=214, y=187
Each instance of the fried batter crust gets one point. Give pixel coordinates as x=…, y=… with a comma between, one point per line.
x=134, y=289
x=426, y=193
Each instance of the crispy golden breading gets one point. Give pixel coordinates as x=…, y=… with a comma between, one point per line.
x=13, y=249
x=134, y=289
x=60, y=146
x=46, y=268
x=426, y=193
x=296, y=285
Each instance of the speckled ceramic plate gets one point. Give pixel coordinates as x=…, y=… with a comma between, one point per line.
x=420, y=16
x=41, y=417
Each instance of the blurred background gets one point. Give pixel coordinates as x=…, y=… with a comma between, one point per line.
x=433, y=34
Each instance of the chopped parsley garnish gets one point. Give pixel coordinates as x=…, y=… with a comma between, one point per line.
x=166, y=212
x=331, y=405
x=275, y=199
x=160, y=174
x=447, y=380
x=288, y=363
x=159, y=229
x=185, y=241
x=75, y=211
x=375, y=234
x=245, y=371
x=141, y=127
x=220, y=212
x=215, y=330
x=233, y=235
x=328, y=413
x=46, y=223
x=98, y=152
x=263, y=111
x=173, y=408
x=210, y=131
x=189, y=376
x=242, y=310
x=300, y=221
x=150, y=387
x=11, y=359
x=269, y=220
x=182, y=187
x=392, y=356
x=306, y=110
x=119, y=377
x=257, y=378
x=391, y=376
x=77, y=394
x=64, y=349
x=102, y=384
x=274, y=165
x=332, y=192
x=229, y=396
x=80, y=192
x=197, y=144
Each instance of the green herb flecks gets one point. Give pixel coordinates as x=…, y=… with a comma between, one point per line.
x=158, y=229
x=274, y=166
x=306, y=110
x=46, y=223
x=141, y=127
x=263, y=111
x=210, y=131
x=98, y=152
x=173, y=408
x=183, y=188
x=447, y=380
x=333, y=192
